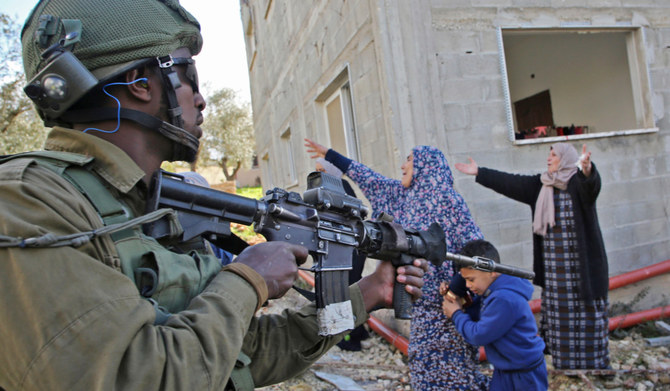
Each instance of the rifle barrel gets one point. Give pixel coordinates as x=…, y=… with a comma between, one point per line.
x=490, y=266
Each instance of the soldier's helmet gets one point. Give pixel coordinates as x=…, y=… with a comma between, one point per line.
x=72, y=46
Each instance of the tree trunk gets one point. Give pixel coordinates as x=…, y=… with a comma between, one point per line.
x=224, y=166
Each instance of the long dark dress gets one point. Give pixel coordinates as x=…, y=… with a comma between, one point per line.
x=575, y=330
x=570, y=265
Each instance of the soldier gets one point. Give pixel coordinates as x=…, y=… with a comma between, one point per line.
x=86, y=308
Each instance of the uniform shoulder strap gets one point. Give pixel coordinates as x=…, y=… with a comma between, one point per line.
x=75, y=168
x=111, y=210
x=65, y=158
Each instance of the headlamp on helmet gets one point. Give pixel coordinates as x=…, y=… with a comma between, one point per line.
x=64, y=80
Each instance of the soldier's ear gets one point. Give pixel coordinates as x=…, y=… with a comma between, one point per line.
x=139, y=85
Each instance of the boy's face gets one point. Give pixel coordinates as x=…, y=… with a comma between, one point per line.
x=478, y=281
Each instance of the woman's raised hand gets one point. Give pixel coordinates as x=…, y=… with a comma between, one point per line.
x=468, y=168
x=315, y=148
x=585, y=161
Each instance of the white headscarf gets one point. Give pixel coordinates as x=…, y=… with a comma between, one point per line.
x=544, y=206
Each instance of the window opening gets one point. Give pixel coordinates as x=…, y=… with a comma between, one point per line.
x=574, y=82
x=339, y=114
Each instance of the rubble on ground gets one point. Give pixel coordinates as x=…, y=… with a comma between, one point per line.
x=381, y=367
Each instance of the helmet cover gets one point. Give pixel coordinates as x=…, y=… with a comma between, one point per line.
x=114, y=33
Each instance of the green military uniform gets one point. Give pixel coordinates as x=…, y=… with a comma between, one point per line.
x=73, y=318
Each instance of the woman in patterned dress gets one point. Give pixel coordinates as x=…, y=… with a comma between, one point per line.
x=570, y=262
x=439, y=358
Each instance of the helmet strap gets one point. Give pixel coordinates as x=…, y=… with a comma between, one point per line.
x=170, y=84
x=185, y=145
x=174, y=133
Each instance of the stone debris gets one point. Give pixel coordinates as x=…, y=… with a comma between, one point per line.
x=381, y=367
x=342, y=383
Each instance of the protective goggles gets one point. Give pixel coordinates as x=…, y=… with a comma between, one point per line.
x=191, y=71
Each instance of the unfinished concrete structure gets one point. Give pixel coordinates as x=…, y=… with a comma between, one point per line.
x=497, y=80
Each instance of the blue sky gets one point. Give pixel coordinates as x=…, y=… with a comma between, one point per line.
x=222, y=61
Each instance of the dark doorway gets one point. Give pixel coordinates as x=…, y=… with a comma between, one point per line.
x=534, y=111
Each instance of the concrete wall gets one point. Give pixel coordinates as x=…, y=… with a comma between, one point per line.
x=632, y=207
x=300, y=50
x=428, y=72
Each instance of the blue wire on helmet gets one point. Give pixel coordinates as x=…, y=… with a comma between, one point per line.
x=118, y=115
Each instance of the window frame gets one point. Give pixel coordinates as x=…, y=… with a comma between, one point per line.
x=641, y=86
x=340, y=88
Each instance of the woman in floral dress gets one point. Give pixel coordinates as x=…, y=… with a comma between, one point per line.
x=439, y=358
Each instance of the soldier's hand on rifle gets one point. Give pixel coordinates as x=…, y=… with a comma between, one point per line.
x=315, y=148
x=377, y=288
x=276, y=262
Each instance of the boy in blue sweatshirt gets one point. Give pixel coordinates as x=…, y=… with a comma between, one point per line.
x=506, y=326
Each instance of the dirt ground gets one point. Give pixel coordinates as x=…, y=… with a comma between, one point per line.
x=379, y=366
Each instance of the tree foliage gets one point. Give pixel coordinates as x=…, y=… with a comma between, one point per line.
x=228, y=139
x=21, y=129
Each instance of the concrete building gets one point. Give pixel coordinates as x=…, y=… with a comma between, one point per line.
x=495, y=80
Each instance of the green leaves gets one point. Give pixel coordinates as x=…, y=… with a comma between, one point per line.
x=228, y=139
x=21, y=129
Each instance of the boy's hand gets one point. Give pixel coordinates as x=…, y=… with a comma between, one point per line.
x=444, y=291
x=444, y=288
x=450, y=305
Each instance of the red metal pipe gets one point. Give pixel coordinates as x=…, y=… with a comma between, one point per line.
x=389, y=334
x=616, y=322
x=306, y=276
x=639, y=274
x=628, y=320
x=623, y=279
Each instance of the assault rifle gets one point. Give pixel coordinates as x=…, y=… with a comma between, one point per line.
x=327, y=221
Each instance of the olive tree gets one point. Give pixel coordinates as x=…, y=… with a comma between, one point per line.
x=21, y=129
x=228, y=139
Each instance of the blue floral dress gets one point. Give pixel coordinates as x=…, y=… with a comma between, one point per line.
x=439, y=358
